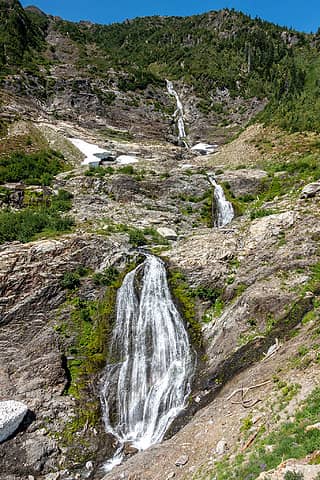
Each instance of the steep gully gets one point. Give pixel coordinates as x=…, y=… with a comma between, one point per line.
x=148, y=379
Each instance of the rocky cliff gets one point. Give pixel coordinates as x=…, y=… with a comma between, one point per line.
x=249, y=292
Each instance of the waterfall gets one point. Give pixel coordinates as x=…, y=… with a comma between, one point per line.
x=224, y=209
x=147, y=382
x=178, y=114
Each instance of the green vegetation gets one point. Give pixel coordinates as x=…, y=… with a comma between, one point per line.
x=291, y=440
x=29, y=223
x=137, y=237
x=210, y=52
x=99, y=171
x=86, y=337
x=287, y=175
x=72, y=280
x=33, y=169
x=119, y=135
x=206, y=209
x=221, y=50
x=293, y=476
x=185, y=299
x=260, y=212
x=151, y=49
x=107, y=277
x=22, y=37
x=296, y=109
x=252, y=58
x=88, y=332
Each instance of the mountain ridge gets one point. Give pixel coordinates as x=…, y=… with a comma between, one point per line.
x=222, y=58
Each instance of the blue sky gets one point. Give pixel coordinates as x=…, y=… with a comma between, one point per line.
x=299, y=14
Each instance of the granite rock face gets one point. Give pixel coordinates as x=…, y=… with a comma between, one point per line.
x=32, y=365
x=243, y=181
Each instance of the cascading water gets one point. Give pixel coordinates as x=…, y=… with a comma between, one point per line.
x=224, y=210
x=148, y=383
x=178, y=114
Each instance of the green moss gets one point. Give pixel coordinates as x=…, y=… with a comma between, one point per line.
x=185, y=300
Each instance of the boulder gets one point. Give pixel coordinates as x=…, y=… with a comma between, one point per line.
x=183, y=460
x=129, y=449
x=221, y=447
x=11, y=415
x=310, y=190
x=167, y=233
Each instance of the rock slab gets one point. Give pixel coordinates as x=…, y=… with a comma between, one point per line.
x=11, y=415
x=167, y=233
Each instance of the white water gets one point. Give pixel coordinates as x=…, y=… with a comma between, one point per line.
x=178, y=114
x=225, y=213
x=148, y=385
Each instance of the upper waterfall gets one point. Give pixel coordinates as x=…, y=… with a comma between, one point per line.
x=178, y=114
x=225, y=212
x=147, y=382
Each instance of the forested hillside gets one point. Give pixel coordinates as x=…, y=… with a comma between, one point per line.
x=216, y=54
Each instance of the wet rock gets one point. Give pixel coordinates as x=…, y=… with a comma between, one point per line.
x=11, y=415
x=129, y=449
x=310, y=190
x=183, y=460
x=221, y=447
x=89, y=465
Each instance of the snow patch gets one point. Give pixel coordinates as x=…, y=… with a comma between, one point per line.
x=94, y=154
x=126, y=159
x=204, y=148
x=88, y=149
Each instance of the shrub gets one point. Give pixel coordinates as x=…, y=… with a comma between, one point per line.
x=107, y=277
x=127, y=170
x=260, y=212
x=137, y=238
x=26, y=224
x=293, y=475
x=70, y=280
x=33, y=169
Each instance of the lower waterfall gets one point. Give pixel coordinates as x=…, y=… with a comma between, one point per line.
x=148, y=384
x=225, y=213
